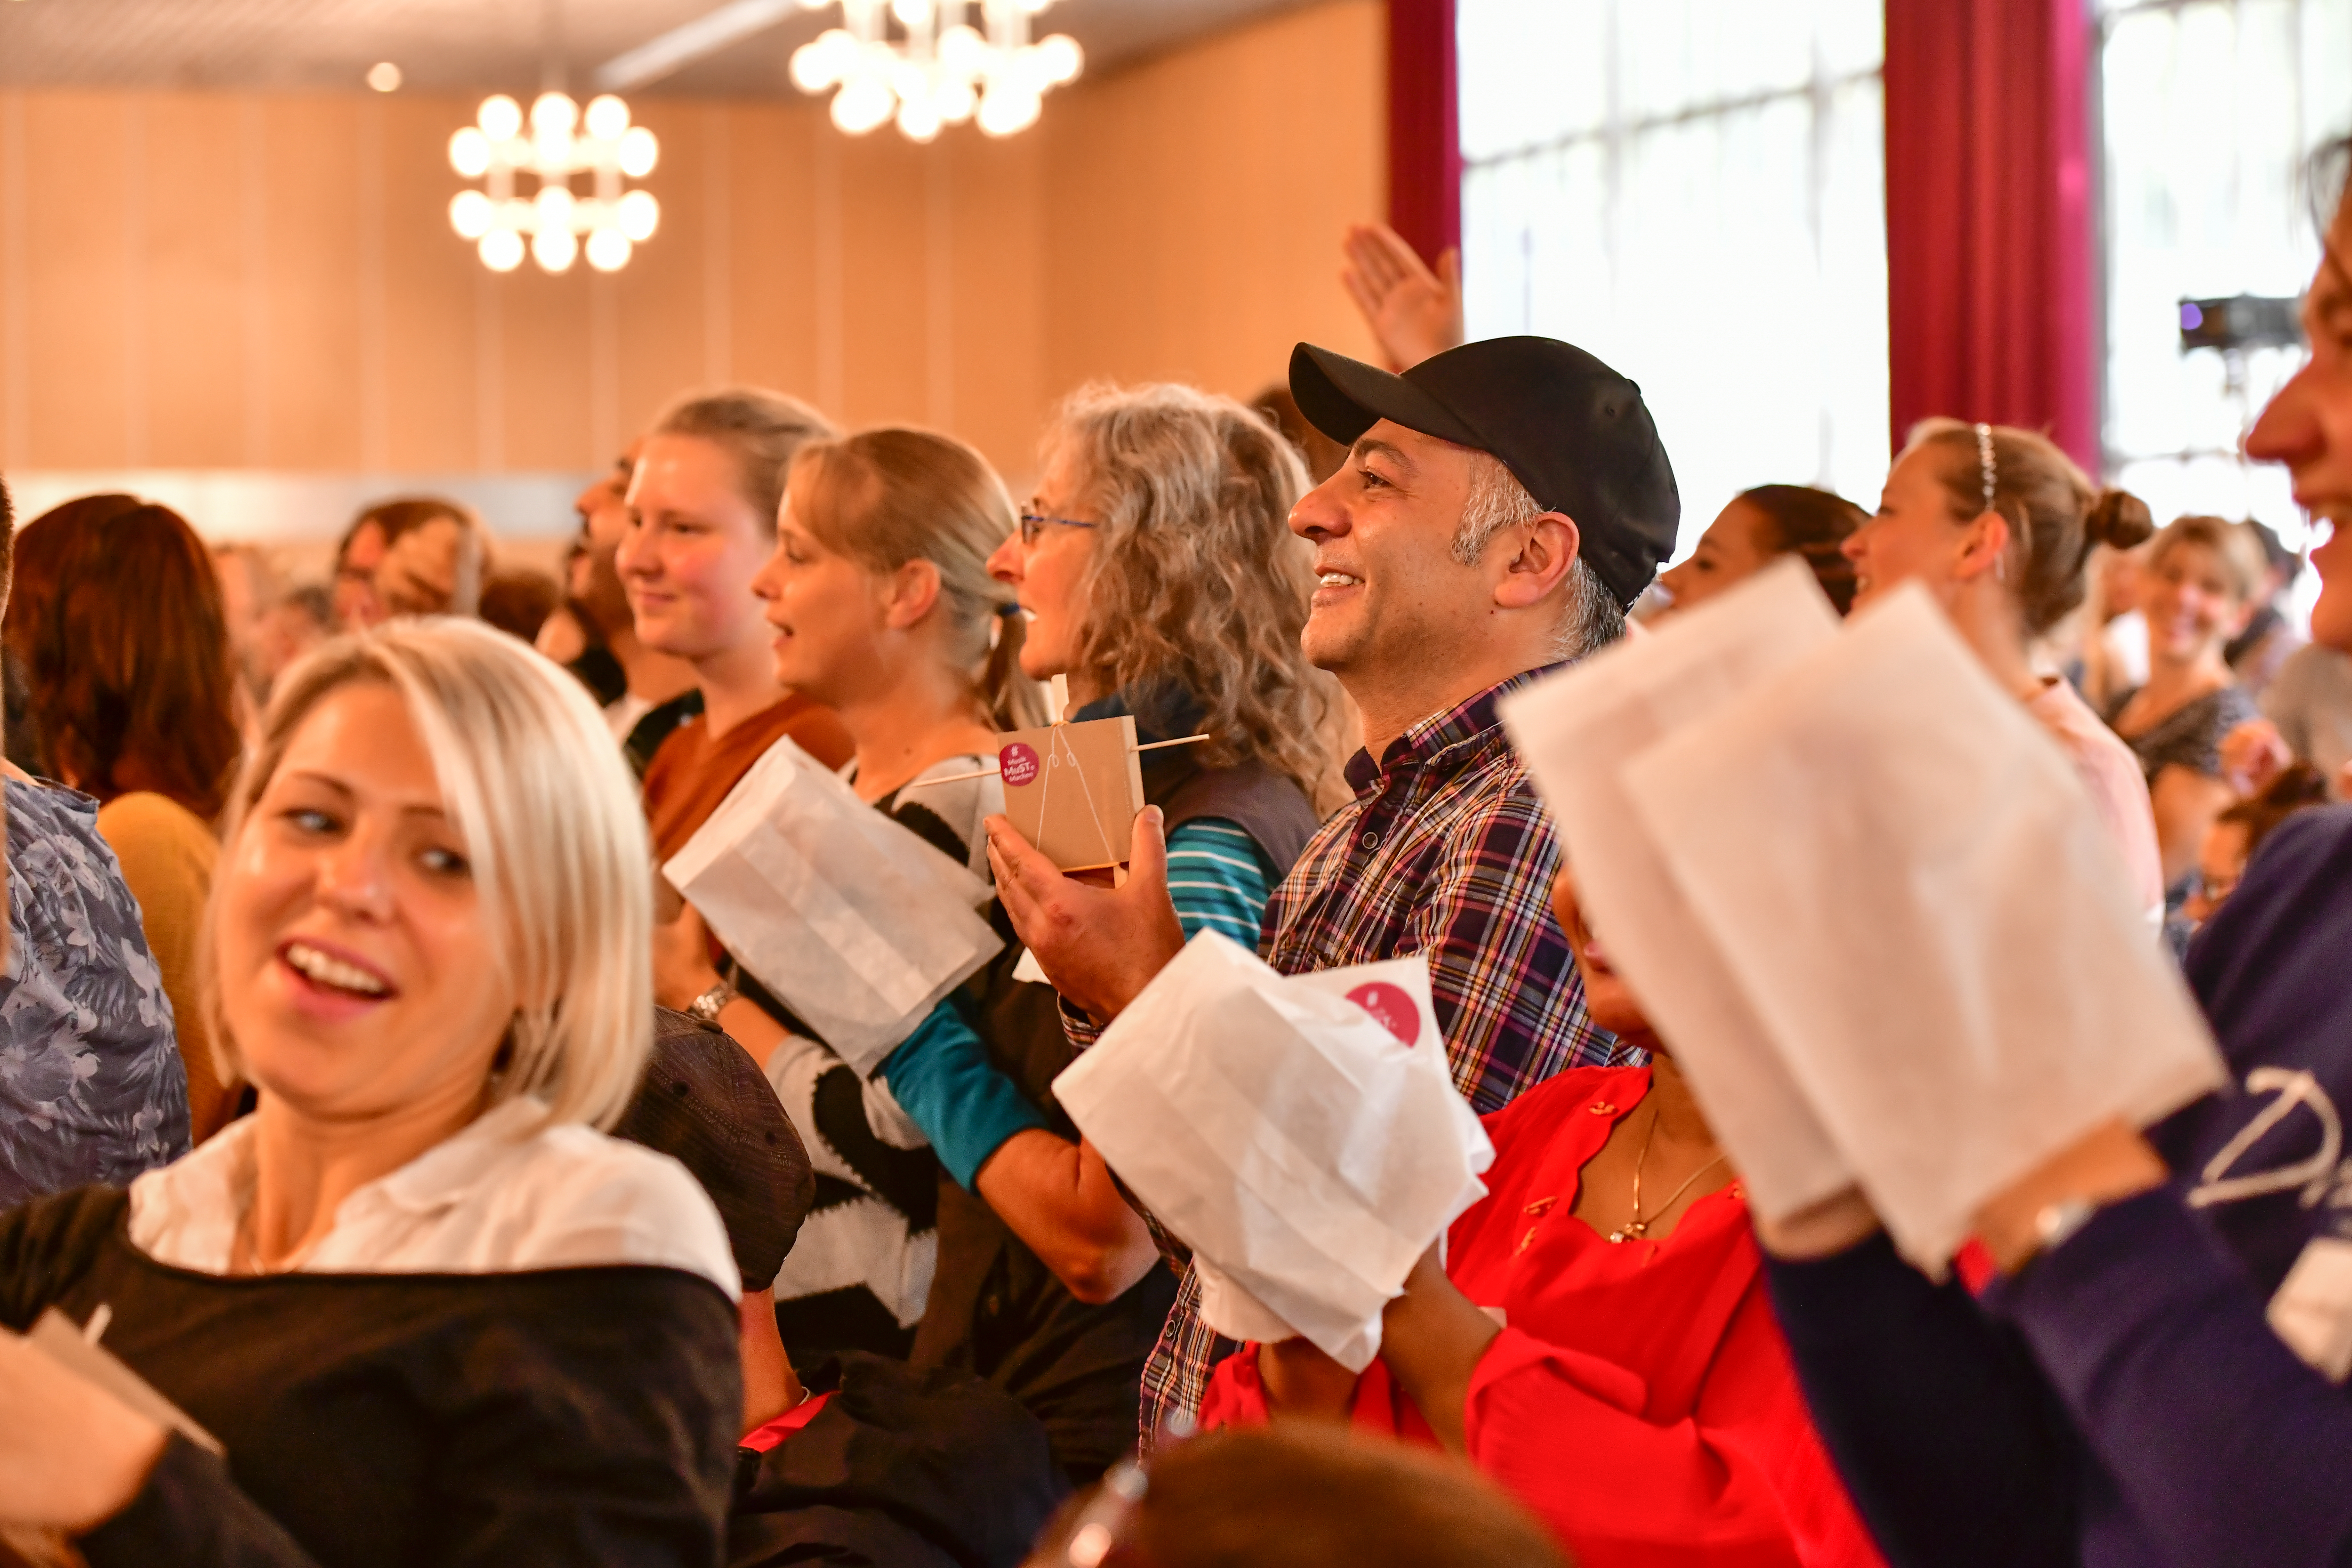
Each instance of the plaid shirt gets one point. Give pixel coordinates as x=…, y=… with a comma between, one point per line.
x=1445, y=851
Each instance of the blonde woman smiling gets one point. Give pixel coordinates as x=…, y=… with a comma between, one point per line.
x=434, y=1316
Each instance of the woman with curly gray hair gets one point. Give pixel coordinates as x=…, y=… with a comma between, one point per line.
x=1159, y=577
x=1157, y=567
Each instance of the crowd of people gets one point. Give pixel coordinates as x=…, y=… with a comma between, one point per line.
x=399, y=1167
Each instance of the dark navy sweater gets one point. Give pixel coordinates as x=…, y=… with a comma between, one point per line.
x=2122, y=1401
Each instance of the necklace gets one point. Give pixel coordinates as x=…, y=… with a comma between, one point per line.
x=1637, y=1228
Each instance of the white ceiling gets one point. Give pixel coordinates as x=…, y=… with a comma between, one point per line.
x=468, y=45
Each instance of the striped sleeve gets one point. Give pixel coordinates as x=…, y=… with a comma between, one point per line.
x=1217, y=881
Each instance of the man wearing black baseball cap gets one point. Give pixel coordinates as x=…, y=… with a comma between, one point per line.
x=1501, y=506
x=1593, y=488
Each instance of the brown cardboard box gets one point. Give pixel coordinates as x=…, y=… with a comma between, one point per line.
x=1073, y=790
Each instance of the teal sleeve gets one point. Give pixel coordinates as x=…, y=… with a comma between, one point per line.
x=1217, y=881
x=943, y=1079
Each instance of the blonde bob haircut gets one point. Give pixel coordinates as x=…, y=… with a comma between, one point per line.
x=549, y=817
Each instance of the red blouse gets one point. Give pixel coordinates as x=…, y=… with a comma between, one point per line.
x=1639, y=1397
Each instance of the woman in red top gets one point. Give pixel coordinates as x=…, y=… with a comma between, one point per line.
x=1600, y=1341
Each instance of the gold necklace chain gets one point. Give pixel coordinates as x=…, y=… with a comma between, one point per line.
x=1637, y=1228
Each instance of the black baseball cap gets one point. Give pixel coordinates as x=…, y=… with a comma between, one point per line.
x=704, y=1103
x=1572, y=430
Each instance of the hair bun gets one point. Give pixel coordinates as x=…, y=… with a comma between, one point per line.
x=2118, y=518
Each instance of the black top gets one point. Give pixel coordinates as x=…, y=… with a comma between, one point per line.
x=2190, y=735
x=565, y=1415
x=901, y=1468
x=655, y=728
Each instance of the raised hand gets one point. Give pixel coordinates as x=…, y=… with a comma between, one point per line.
x=1413, y=311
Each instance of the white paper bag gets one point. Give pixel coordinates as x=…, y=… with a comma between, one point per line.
x=1286, y=1130
x=1914, y=893
x=1576, y=730
x=855, y=924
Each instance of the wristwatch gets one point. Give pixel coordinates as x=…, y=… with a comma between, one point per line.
x=707, y=1006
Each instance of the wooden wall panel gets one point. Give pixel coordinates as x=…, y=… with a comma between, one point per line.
x=215, y=282
x=886, y=311
x=995, y=261
x=545, y=326
x=1197, y=203
x=309, y=269
x=78, y=279
x=771, y=257
x=195, y=285
x=661, y=304
x=432, y=352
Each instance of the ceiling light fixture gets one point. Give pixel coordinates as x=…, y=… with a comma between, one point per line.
x=385, y=76
x=942, y=71
x=562, y=142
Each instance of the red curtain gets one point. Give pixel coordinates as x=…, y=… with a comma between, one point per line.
x=1424, y=136
x=1990, y=240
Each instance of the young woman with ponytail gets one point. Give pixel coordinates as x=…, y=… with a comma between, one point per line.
x=881, y=611
x=1998, y=524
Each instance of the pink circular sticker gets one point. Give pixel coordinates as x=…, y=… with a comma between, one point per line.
x=1391, y=1006
x=1017, y=762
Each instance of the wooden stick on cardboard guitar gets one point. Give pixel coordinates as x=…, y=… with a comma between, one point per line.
x=1073, y=790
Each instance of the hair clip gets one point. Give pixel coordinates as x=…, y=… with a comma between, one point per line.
x=1985, y=461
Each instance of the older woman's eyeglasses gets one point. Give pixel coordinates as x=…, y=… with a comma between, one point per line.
x=1032, y=525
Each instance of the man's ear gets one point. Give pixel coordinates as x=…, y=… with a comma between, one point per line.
x=914, y=590
x=1542, y=550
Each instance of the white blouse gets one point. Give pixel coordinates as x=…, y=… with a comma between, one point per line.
x=506, y=1193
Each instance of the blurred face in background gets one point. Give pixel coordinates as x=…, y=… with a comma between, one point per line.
x=603, y=507
x=288, y=631
x=247, y=599
x=2219, y=863
x=355, y=599
x=2308, y=426
x=2121, y=574
x=418, y=575
x=693, y=544
x=2190, y=605
x=1735, y=547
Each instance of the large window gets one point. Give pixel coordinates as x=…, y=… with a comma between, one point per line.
x=1693, y=190
x=2209, y=108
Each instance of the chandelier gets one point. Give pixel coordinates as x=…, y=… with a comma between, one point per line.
x=944, y=71
x=562, y=143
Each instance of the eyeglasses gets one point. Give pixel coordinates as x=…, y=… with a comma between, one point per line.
x=1032, y=525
